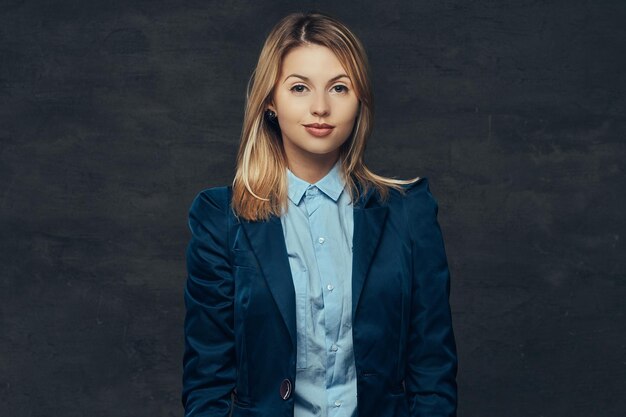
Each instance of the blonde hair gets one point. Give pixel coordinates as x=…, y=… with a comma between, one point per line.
x=260, y=182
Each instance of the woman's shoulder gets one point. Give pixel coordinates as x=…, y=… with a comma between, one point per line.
x=418, y=185
x=420, y=208
x=416, y=205
x=218, y=192
x=211, y=200
x=416, y=194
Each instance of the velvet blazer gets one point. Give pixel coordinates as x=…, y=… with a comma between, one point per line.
x=240, y=326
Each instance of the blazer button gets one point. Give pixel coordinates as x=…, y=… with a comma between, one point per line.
x=285, y=389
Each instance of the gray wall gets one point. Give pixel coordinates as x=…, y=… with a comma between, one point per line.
x=115, y=114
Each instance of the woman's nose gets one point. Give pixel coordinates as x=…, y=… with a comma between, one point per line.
x=320, y=106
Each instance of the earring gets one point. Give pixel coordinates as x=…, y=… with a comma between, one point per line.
x=271, y=115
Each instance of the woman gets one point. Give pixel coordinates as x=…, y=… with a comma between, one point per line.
x=315, y=287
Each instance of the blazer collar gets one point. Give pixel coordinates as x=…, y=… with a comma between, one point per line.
x=268, y=243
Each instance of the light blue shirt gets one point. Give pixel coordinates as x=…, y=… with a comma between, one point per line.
x=318, y=229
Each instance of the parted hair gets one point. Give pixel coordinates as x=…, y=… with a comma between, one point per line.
x=260, y=184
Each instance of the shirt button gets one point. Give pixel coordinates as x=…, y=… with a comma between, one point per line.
x=321, y=240
x=337, y=403
x=334, y=348
x=330, y=287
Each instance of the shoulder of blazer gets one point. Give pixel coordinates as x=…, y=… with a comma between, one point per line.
x=216, y=196
x=210, y=205
x=418, y=194
x=420, y=207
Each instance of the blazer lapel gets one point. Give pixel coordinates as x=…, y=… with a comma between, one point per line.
x=369, y=221
x=268, y=242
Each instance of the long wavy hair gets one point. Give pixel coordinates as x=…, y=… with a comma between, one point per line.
x=260, y=183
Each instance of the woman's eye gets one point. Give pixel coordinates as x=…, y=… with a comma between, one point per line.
x=297, y=86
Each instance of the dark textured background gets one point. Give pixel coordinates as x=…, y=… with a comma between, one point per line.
x=115, y=114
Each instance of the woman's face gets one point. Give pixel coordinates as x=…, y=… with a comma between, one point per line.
x=313, y=87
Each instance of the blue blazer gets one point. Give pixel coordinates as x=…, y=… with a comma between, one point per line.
x=240, y=326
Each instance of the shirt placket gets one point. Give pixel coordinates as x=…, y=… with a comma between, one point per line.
x=330, y=288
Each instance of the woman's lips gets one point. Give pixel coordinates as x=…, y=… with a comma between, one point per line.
x=319, y=132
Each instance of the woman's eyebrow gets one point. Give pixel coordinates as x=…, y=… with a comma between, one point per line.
x=307, y=78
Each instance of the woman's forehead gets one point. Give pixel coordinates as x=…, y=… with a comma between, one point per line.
x=312, y=63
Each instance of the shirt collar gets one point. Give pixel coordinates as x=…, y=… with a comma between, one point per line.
x=332, y=184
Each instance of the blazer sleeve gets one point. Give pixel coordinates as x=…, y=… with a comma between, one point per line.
x=209, y=370
x=430, y=379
